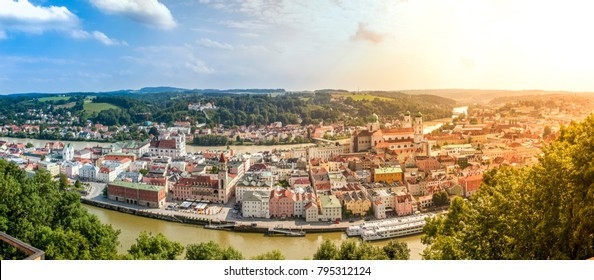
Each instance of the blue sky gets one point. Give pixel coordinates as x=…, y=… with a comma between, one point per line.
x=100, y=45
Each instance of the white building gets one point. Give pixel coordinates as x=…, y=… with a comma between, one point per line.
x=337, y=181
x=107, y=175
x=68, y=152
x=70, y=168
x=174, y=147
x=251, y=184
x=312, y=212
x=331, y=208
x=88, y=172
x=379, y=209
x=457, y=149
x=302, y=199
x=329, y=151
x=52, y=168
x=256, y=204
x=138, y=165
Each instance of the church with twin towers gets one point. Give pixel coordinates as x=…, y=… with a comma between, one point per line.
x=405, y=139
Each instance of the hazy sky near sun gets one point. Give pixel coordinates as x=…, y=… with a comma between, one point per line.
x=99, y=45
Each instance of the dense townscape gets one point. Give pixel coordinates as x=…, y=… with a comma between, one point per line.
x=384, y=169
x=381, y=180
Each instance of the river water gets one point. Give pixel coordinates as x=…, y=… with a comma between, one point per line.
x=78, y=145
x=250, y=244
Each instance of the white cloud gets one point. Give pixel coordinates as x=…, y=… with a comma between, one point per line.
x=214, y=44
x=96, y=35
x=365, y=34
x=249, y=35
x=80, y=34
x=199, y=66
x=246, y=24
x=26, y=17
x=149, y=12
x=101, y=37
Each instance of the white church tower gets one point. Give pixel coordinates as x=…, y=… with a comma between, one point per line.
x=180, y=145
x=418, y=128
x=68, y=152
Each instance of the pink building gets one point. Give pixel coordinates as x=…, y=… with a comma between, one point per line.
x=427, y=163
x=282, y=203
x=404, y=204
x=470, y=184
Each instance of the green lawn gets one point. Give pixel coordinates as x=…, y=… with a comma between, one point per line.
x=91, y=107
x=361, y=96
x=67, y=105
x=53, y=98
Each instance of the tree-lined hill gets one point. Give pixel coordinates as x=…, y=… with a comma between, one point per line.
x=234, y=107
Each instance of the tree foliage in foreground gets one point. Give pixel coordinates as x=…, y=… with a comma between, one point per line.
x=356, y=250
x=272, y=255
x=211, y=251
x=38, y=212
x=541, y=212
x=157, y=247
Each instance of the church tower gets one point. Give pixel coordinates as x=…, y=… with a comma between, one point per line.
x=418, y=128
x=223, y=178
x=407, y=120
x=180, y=145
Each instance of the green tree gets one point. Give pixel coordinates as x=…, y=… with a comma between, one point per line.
x=546, y=131
x=157, y=247
x=539, y=212
x=30, y=145
x=37, y=212
x=63, y=181
x=143, y=171
x=440, y=198
x=154, y=132
x=272, y=255
x=211, y=251
x=397, y=250
x=326, y=251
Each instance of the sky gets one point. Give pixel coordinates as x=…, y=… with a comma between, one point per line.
x=103, y=45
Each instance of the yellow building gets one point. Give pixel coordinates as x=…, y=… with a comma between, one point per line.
x=358, y=203
x=387, y=174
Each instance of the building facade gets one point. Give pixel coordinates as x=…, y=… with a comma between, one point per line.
x=137, y=194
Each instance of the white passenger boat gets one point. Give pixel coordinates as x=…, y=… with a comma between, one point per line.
x=384, y=229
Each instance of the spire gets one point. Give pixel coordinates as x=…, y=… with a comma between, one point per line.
x=222, y=158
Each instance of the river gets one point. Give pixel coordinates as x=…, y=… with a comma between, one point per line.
x=250, y=244
x=78, y=145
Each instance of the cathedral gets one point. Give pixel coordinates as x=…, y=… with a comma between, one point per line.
x=405, y=140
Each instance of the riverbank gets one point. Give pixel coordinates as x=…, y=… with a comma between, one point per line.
x=254, y=226
x=78, y=145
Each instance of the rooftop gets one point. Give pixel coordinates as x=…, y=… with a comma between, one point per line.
x=329, y=201
x=388, y=170
x=136, y=186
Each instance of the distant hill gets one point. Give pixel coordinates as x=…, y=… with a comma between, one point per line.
x=159, y=90
x=391, y=95
x=469, y=96
x=150, y=90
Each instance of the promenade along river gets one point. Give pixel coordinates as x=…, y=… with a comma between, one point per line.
x=250, y=244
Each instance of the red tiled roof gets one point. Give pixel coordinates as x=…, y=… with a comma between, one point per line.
x=164, y=144
x=197, y=181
